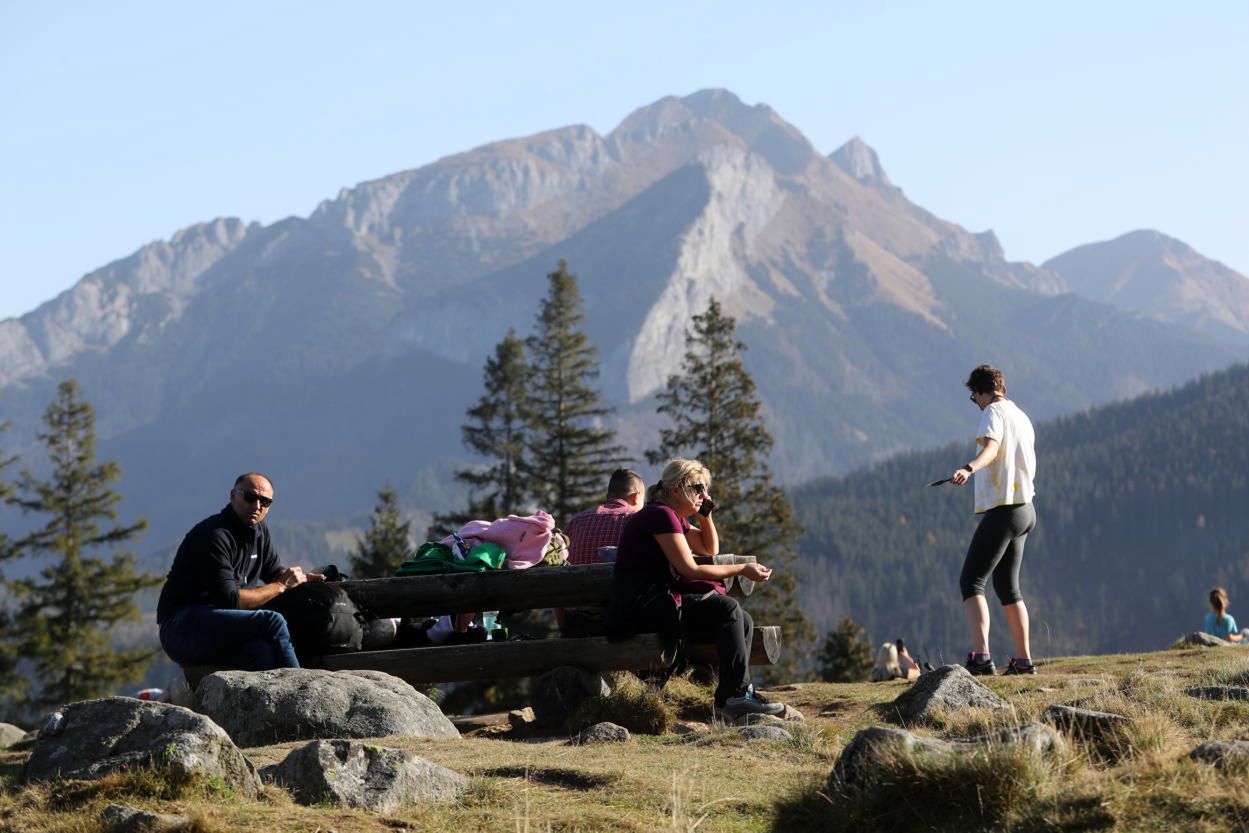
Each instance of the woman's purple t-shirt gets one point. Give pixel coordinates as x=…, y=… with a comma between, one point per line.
x=638, y=550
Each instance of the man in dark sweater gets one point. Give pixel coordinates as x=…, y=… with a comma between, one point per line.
x=224, y=571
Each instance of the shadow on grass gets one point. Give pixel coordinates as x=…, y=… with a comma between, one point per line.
x=814, y=811
x=569, y=779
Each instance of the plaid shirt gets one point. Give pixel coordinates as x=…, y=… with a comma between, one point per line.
x=597, y=527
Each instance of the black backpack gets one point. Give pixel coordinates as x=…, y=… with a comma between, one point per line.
x=321, y=618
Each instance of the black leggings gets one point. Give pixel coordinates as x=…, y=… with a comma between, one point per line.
x=997, y=549
x=713, y=618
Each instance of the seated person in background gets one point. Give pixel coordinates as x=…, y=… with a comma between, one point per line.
x=887, y=667
x=223, y=571
x=906, y=664
x=1218, y=621
x=601, y=525
x=654, y=568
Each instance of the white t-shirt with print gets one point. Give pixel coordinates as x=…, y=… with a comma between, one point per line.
x=1008, y=479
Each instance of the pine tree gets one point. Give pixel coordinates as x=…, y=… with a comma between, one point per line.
x=67, y=612
x=717, y=419
x=9, y=681
x=570, y=451
x=386, y=544
x=847, y=654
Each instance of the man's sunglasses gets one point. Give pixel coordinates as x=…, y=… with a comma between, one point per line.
x=251, y=496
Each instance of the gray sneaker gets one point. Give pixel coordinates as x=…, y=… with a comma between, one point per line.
x=750, y=702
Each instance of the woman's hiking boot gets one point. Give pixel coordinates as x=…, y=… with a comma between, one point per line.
x=1019, y=666
x=748, y=702
x=984, y=668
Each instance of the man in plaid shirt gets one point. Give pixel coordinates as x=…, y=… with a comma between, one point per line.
x=602, y=525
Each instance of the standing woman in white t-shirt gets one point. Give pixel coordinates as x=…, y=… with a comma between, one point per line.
x=1004, y=470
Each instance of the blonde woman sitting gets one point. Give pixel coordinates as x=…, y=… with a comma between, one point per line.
x=657, y=587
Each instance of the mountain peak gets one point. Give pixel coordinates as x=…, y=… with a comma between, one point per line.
x=757, y=127
x=856, y=158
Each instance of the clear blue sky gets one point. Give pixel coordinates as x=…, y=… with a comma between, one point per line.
x=1056, y=124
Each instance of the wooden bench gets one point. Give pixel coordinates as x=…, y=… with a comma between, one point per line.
x=509, y=590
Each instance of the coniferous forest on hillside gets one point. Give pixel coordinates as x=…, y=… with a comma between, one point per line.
x=1141, y=509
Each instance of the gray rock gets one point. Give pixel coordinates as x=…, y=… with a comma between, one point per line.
x=94, y=738
x=10, y=734
x=1087, y=724
x=560, y=692
x=263, y=707
x=869, y=747
x=759, y=720
x=603, y=733
x=1221, y=752
x=768, y=732
x=690, y=727
x=792, y=715
x=1218, y=692
x=353, y=774
x=1200, y=639
x=122, y=818
x=950, y=688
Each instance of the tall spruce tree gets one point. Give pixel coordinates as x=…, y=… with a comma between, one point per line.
x=570, y=449
x=496, y=430
x=717, y=419
x=67, y=612
x=387, y=543
x=9, y=681
x=847, y=654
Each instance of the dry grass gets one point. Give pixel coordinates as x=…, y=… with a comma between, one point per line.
x=717, y=782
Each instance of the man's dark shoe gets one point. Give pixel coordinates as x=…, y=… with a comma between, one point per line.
x=1019, y=666
x=980, y=669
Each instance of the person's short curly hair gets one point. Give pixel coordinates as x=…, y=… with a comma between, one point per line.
x=986, y=379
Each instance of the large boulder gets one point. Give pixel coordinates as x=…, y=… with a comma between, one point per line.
x=10, y=734
x=561, y=691
x=876, y=744
x=353, y=774
x=948, y=689
x=285, y=704
x=94, y=738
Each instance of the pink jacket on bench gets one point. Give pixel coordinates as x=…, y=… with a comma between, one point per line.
x=523, y=537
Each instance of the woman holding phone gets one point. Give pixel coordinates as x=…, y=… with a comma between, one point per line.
x=657, y=586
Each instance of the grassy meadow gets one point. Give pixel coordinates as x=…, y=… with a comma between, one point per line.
x=696, y=777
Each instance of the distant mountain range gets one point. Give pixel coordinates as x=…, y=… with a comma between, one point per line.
x=1140, y=511
x=340, y=350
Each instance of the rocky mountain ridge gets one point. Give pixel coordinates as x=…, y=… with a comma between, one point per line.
x=342, y=349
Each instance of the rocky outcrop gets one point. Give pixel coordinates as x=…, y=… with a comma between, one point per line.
x=262, y=707
x=948, y=689
x=122, y=818
x=557, y=694
x=871, y=747
x=1200, y=639
x=353, y=774
x=604, y=732
x=1222, y=752
x=95, y=738
x=772, y=733
x=10, y=734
